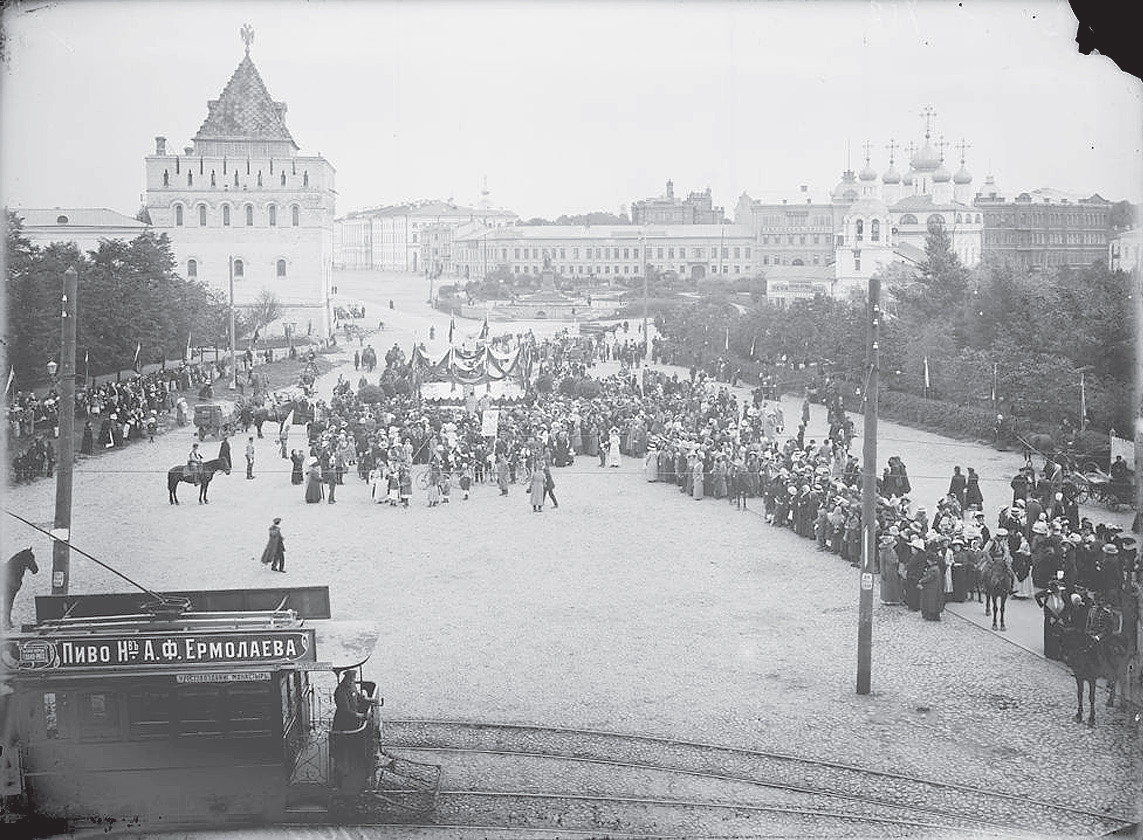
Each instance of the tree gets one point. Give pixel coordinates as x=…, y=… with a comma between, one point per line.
x=265, y=309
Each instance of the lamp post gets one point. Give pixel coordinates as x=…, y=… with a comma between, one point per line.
x=61, y=533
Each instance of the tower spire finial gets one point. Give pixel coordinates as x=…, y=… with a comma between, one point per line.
x=868, y=145
x=941, y=145
x=928, y=112
x=247, y=33
x=962, y=146
x=892, y=147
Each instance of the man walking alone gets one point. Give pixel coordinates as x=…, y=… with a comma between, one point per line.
x=250, y=457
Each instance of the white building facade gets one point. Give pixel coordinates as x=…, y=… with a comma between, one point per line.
x=86, y=227
x=243, y=193
x=1125, y=249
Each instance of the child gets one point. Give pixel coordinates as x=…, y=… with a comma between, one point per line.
x=406, y=482
x=466, y=475
x=394, y=487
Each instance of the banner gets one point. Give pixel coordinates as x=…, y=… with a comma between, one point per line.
x=1125, y=449
x=490, y=422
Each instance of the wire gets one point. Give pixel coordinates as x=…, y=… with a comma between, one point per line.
x=67, y=542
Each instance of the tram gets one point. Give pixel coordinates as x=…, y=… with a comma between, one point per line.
x=199, y=709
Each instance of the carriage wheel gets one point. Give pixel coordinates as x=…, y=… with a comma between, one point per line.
x=1090, y=466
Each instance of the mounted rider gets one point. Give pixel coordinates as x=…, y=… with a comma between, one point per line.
x=194, y=464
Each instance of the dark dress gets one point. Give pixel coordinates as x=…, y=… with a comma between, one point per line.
x=932, y=593
x=298, y=460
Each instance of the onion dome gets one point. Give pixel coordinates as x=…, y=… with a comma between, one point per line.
x=907, y=180
x=867, y=174
x=927, y=159
x=846, y=189
x=941, y=175
x=962, y=176
x=891, y=176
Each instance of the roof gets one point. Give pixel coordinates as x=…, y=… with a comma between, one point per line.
x=428, y=208
x=89, y=217
x=910, y=252
x=813, y=273
x=631, y=233
x=245, y=110
x=915, y=203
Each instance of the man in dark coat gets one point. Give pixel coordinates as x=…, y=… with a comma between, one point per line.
x=224, y=450
x=275, y=552
x=957, y=485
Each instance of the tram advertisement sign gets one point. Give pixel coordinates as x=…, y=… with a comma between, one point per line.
x=85, y=652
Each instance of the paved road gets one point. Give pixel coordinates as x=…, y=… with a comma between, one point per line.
x=630, y=608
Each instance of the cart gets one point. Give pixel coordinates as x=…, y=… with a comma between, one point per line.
x=214, y=418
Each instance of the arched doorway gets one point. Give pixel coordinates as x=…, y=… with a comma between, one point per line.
x=797, y=262
x=698, y=272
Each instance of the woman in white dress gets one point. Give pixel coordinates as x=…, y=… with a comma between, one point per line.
x=614, y=459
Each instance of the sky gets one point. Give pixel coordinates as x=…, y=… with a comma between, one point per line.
x=568, y=107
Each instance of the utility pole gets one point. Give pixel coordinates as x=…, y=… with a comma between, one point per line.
x=233, y=365
x=869, y=496
x=643, y=256
x=61, y=545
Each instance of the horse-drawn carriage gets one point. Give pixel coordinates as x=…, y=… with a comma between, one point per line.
x=216, y=418
x=1095, y=485
x=199, y=709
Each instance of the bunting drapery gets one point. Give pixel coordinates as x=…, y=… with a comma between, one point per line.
x=472, y=367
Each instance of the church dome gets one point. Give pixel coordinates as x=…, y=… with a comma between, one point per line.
x=927, y=159
x=908, y=179
x=846, y=189
x=962, y=176
x=941, y=175
x=891, y=176
x=867, y=174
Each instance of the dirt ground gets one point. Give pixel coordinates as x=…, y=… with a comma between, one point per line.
x=630, y=607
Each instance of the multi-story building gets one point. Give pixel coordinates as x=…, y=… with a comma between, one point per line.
x=696, y=209
x=242, y=200
x=392, y=238
x=791, y=231
x=1045, y=228
x=86, y=227
x=1125, y=250
x=606, y=251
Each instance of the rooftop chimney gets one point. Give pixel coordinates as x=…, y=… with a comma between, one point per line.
x=805, y=188
x=188, y=149
x=160, y=145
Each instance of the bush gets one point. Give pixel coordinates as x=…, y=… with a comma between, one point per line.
x=371, y=394
x=959, y=421
x=588, y=388
x=402, y=387
x=568, y=386
x=544, y=384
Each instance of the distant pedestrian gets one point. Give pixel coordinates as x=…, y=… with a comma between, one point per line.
x=957, y=486
x=224, y=450
x=250, y=457
x=357, y=360
x=275, y=551
x=550, y=486
x=537, y=488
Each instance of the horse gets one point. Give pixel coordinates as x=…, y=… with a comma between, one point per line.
x=18, y=563
x=1093, y=657
x=997, y=579
x=180, y=472
x=1044, y=445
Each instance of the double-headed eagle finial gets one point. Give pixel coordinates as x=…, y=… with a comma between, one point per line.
x=247, y=33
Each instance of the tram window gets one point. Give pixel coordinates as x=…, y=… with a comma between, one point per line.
x=249, y=709
x=99, y=716
x=149, y=714
x=51, y=716
x=199, y=711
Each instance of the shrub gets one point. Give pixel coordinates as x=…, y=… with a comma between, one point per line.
x=544, y=384
x=588, y=388
x=568, y=386
x=370, y=394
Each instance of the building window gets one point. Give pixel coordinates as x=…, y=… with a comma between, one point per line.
x=273, y=210
x=296, y=213
x=726, y=253
x=561, y=253
x=281, y=268
x=746, y=253
x=726, y=269
x=660, y=253
x=239, y=269
x=856, y=264
x=178, y=215
x=802, y=239
x=817, y=239
x=192, y=268
x=908, y=219
x=166, y=178
x=875, y=230
x=202, y=215
x=737, y=251
x=860, y=229
x=249, y=215
x=765, y=259
x=283, y=179
x=190, y=179
x=516, y=254
x=670, y=253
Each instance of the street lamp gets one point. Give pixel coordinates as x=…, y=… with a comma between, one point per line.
x=52, y=368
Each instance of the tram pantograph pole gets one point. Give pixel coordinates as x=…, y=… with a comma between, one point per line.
x=869, y=497
x=61, y=545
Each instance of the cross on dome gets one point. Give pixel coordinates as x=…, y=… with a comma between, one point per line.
x=928, y=112
x=962, y=145
x=892, y=147
x=941, y=145
x=247, y=34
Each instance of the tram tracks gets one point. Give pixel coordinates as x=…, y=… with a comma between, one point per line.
x=507, y=775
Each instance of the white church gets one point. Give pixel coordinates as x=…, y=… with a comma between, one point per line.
x=888, y=223
x=242, y=200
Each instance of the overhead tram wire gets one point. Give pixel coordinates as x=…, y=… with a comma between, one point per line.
x=159, y=598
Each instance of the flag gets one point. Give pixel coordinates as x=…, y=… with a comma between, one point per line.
x=484, y=329
x=11, y=376
x=995, y=372
x=451, y=328
x=753, y=346
x=926, y=372
x=86, y=366
x=187, y=355
x=726, y=344
x=289, y=421
x=1083, y=404
x=138, y=348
